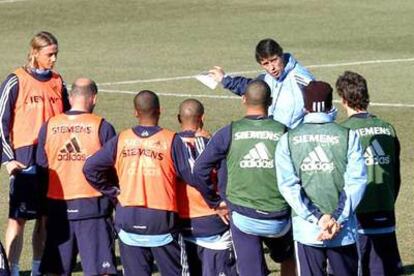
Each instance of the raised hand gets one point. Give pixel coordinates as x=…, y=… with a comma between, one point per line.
x=217, y=73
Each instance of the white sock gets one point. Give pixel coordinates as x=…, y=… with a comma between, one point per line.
x=35, y=268
x=14, y=269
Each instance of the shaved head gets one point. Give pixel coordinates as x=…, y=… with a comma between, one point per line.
x=258, y=94
x=146, y=103
x=83, y=87
x=191, y=110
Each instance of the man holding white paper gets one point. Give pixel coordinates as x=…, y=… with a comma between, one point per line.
x=285, y=77
x=207, y=80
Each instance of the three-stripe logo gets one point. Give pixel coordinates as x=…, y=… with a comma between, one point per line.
x=317, y=160
x=71, y=146
x=258, y=157
x=71, y=151
x=375, y=155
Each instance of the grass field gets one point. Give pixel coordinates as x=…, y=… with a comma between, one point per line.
x=127, y=46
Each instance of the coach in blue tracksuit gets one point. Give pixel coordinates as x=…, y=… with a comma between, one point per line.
x=322, y=175
x=285, y=77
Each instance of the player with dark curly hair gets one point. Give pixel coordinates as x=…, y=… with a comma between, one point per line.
x=375, y=213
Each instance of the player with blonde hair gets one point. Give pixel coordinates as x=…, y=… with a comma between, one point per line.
x=28, y=97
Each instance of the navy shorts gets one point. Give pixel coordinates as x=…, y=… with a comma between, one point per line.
x=379, y=254
x=249, y=251
x=26, y=196
x=92, y=238
x=313, y=260
x=137, y=260
x=210, y=262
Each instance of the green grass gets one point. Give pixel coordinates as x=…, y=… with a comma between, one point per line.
x=112, y=41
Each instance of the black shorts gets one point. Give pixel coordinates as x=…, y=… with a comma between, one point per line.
x=250, y=254
x=281, y=248
x=26, y=196
x=380, y=254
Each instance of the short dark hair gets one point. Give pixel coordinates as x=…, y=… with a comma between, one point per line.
x=258, y=94
x=146, y=102
x=190, y=109
x=88, y=88
x=352, y=87
x=267, y=48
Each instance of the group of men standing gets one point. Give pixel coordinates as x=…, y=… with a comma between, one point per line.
x=285, y=175
x=339, y=182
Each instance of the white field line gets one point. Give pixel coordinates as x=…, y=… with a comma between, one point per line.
x=172, y=94
x=230, y=97
x=11, y=1
x=256, y=71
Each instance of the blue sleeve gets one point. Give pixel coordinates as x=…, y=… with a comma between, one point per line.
x=222, y=178
x=98, y=169
x=106, y=132
x=215, y=151
x=182, y=161
x=181, y=158
x=237, y=85
x=41, y=158
x=355, y=180
x=9, y=91
x=290, y=185
x=302, y=76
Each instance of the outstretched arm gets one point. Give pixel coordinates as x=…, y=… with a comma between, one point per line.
x=237, y=84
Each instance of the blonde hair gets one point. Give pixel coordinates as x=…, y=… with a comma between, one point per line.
x=39, y=41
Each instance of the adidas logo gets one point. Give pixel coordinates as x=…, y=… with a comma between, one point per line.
x=258, y=157
x=106, y=265
x=375, y=155
x=317, y=161
x=71, y=151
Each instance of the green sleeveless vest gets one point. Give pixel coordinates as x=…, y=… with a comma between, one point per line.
x=378, y=141
x=319, y=155
x=251, y=168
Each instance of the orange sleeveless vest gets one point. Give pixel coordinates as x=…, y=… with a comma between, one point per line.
x=191, y=203
x=146, y=172
x=36, y=102
x=70, y=140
